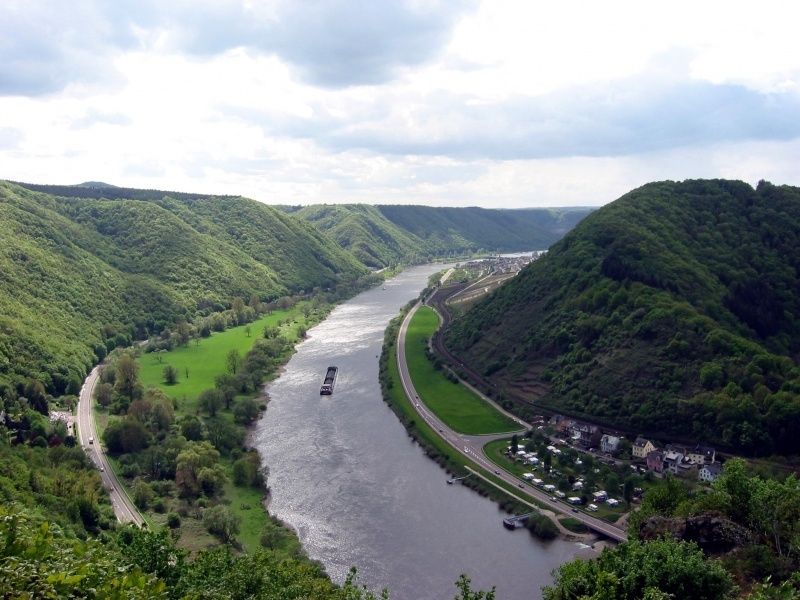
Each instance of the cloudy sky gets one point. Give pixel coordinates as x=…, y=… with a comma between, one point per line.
x=488, y=103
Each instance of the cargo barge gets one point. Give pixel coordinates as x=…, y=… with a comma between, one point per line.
x=330, y=379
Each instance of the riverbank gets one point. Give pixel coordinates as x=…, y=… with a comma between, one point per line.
x=436, y=448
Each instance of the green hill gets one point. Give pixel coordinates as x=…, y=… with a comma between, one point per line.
x=79, y=275
x=364, y=231
x=383, y=235
x=674, y=311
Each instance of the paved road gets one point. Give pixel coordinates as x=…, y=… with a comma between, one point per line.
x=471, y=446
x=124, y=508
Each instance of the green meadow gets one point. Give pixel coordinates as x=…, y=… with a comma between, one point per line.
x=203, y=359
x=460, y=408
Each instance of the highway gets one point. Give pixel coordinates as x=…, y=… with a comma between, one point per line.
x=471, y=446
x=124, y=508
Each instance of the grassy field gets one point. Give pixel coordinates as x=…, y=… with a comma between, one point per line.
x=201, y=361
x=460, y=408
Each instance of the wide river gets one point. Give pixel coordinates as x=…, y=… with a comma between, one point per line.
x=346, y=476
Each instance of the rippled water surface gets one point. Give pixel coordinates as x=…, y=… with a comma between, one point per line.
x=344, y=473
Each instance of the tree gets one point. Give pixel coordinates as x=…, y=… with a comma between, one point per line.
x=37, y=397
x=173, y=520
x=514, y=444
x=127, y=377
x=192, y=428
x=248, y=330
x=183, y=332
x=220, y=521
x=663, y=568
x=170, y=375
x=197, y=467
x=246, y=470
x=211, y=401
x=465, y=590
x=127, y=435
x=226, y=384
x=237, y=306
x=234, y=361
x=627, y=489
x=224, y=435
x=245, y=411
x=103, y=393
x=737, y=487
x=142, y=494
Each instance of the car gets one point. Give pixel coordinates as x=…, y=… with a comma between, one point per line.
x=101, y=468
x=553, y=498
x=575, y=510
x=496, y=472
x=519, y=485
x=441, y=430
x=466, y=449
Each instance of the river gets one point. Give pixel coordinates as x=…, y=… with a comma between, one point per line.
x=346, y=476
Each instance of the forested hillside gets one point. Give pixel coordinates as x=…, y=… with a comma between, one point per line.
x=674, y=310
x=79, y=276
x=383, y=235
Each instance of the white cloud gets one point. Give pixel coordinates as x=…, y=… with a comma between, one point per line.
x=503, y=103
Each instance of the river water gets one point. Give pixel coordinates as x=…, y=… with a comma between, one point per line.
x=346, y=476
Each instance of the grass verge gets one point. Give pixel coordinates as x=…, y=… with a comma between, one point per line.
x=460, y=408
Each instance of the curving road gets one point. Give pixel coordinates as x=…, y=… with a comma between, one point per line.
x=471, y=446
x=124, y=508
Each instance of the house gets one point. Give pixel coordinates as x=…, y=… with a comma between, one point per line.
x=709, y=472
x=701, y=455
x=642, y=447
x=609, y=443
x=655, y=461
x=584, y=434
x=560, y=423
x=672, y=458
x=686, y=468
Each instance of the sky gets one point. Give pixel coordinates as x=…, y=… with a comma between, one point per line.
x=476, y=103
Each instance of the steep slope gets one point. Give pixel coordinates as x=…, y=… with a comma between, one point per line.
x=382, y=235
x=79, y=275
x=675, y=309
x=364, y=231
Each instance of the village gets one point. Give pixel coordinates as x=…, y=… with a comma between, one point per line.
x=596, y=471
